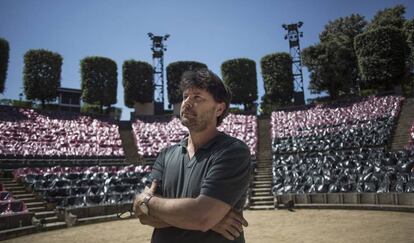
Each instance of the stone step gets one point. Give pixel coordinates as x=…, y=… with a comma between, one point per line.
x=37, y=209
x=267, y=176
x=262, y=207
x=263, y=203
x=4, y=179
x=51, y=219
x=29, y=199
x=263, y=189
x=15, y=188
x=259, y=194
x=44, y=214
x=267, y=170
x=9, y=184
x=263, y=182
x=18, y=196
x=19, y=192
x=54, y=225
x=261, y=198
x=262, y=185
x=270, y=172
x=34, y=204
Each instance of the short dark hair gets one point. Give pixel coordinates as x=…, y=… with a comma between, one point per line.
x=209, y=81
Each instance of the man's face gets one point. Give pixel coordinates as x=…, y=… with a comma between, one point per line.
x=199, y=110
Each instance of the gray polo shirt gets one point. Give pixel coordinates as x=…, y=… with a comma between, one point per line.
x=219, y=169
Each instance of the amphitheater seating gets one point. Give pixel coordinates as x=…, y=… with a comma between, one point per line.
x=5, y=195
x=340, y=148
x=365, y=123
x=12, y=206
x=152, y=137
x=68, y=187
x=13, y=214
x=27, y=132
x=363, y=170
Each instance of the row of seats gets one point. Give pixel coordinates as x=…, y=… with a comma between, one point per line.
x=364, y=123
x=76, y=187
x=152, y=137
x=6, y=195
x=12, y=206
x=27, y=132
x=40, y=172
x=344, y=136
x=363, y=170
x=314, y=120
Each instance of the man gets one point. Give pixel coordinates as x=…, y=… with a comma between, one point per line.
x=201, y=181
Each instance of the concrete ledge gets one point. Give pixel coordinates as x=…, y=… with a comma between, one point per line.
x=16, y=232
x=392, y=201
x=378, y=207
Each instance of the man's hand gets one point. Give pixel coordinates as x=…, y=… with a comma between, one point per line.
x=140, y=197
x=231, y=225
x=152, y=221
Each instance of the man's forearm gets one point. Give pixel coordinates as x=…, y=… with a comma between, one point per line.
x=152, y=221
x=186, y=213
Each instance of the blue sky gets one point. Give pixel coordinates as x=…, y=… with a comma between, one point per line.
x=206, y=31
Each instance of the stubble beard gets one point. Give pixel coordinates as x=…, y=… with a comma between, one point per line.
x=197, y=123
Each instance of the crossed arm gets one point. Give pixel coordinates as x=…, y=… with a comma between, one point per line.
x=202, y=213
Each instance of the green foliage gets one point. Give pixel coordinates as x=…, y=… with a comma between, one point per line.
x=408, y=30
x=332, y=63
x=95, y=109
x=331, y=68
x=23, y=104
x=99, y=80
x=138, y=82
x=381, y=56
x=174, y=72
x=389, y=17
x=241, y=77
x=278, y=79
x=4, y=62
x=42, y=70
x=90, y=108
x=267, y=106
x=343, y=30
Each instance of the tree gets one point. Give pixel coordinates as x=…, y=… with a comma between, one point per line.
x=329, y=67
x=4, y=62
x=332, y=63
x=391, y=17
x=99, y=81
x=42, y=71
x=241, y=77
x=381, y=56
x=174, y=72
x=278, y=79
x=138, y=82
x=408, y=30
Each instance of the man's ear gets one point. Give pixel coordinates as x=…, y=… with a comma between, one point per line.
x=220, y=109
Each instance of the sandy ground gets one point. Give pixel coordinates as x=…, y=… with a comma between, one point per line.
x=265, y=226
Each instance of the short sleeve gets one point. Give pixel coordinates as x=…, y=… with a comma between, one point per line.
x=228, y=177
x=158, y=167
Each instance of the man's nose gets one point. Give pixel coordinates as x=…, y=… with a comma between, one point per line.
x=188, y=101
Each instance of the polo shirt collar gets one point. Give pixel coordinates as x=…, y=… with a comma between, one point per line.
x=184, y=142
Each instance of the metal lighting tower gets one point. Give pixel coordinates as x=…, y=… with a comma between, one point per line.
x=294, y=35
x=158, y=49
